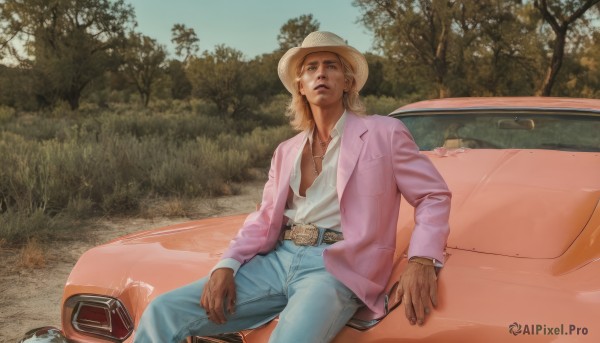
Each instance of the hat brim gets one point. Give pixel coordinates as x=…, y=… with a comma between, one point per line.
x=289, y=62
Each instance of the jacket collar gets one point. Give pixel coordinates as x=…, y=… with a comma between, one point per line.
x=352, y=143
x=351, y=146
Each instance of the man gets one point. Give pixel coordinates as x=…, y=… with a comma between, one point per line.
x=322, y=243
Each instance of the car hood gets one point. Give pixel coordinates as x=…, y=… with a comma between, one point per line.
x=522, y=203
x=137, y=267
x=531, y=204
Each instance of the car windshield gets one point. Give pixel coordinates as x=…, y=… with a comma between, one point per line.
x=479, y=130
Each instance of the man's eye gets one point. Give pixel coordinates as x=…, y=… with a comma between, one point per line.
x=311, y=68
x=332, y=66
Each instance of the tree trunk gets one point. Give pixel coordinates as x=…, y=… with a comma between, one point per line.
x=555, y=64
x=73, y=100
x=440, y=62
x=560, y=26
x=144, y=97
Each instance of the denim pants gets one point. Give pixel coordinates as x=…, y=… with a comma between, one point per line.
x=290, y=281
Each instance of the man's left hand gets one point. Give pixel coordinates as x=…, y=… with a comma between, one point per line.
x=418, y=291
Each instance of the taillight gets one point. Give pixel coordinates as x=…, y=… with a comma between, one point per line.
x=98, y=315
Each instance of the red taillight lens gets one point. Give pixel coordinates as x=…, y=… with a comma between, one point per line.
x=99, y=315
x=93, y=316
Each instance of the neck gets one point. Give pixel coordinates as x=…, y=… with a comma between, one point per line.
x=325, y=119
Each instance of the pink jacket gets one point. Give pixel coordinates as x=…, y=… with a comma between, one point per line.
x=378, y=161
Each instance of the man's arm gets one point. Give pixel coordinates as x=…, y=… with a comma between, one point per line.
x=219, y=292
x=424, y=188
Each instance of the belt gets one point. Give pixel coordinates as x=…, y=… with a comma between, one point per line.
x=308, y=234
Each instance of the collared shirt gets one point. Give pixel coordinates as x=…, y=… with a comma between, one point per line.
x=320, y=205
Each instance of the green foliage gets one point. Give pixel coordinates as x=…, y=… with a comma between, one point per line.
x=560, y=17
x=220, y=77
x=6, y=114
x=185, y=40
x=293, y=32
x=262, y=78
x=423, y=49
x=142, y=59
x=109, y=162
x=17, y=227
x=476, y=48
x=181, y=88
x=382, y=105
x=68, y=43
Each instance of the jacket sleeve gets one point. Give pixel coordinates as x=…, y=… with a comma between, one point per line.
x=424, y=188
x=253, y=234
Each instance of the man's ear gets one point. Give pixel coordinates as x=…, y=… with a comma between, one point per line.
x=301, y=88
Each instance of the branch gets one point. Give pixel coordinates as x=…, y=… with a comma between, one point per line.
x=543, y=7
x=580, y=11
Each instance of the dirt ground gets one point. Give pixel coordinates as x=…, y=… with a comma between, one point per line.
x=30, y=298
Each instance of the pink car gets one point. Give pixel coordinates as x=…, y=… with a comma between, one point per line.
x=523, y=256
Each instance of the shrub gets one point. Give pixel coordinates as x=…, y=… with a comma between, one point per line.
x=55, y=171
x=382, y=105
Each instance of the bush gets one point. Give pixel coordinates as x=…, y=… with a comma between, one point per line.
x=53, y=170
x=382, y=105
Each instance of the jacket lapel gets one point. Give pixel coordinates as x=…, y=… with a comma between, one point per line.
x=288, y=159
x=350, y=150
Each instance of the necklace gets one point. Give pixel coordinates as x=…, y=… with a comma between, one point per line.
x=324, y=146
x=313, y=160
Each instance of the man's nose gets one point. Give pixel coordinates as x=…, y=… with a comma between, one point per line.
x=321, y=72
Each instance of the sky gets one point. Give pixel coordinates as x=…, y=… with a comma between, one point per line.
x=250, y=26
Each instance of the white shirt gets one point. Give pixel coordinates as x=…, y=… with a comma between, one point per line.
x=320, y=205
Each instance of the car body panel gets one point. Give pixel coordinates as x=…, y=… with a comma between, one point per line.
x=524, y=247
x=504, y=103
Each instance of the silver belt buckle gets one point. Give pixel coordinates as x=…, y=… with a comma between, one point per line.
x=305, y=234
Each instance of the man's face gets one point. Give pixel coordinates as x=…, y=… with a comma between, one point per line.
x=322, y=80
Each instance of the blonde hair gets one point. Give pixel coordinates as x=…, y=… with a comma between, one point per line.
x=301, y=117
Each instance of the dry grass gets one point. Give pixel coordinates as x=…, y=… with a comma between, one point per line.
x=169, y=208
x=32, y=255
x=74, y=168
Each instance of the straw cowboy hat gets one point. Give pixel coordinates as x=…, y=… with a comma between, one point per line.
x=321, y=41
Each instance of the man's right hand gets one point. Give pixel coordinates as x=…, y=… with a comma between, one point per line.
x=218, y=294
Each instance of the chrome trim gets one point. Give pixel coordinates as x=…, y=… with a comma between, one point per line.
x=389, y=304
x=111, y=305
x=234, y=337
x=531, y=110
x=46, y=334
x=362, y=325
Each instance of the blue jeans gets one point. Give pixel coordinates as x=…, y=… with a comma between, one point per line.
x=291, y=281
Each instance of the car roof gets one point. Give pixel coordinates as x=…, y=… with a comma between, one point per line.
x=502, y=103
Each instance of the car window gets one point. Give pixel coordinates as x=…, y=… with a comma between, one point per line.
x=570, y=132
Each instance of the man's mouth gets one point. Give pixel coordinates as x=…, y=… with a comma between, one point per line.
x=321, y=86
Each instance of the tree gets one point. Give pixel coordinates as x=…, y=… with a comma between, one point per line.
x=143, y=59
x=590, y=60
x=185, y=40
x=458, y=47
x=413, y=32
x=496, y=49
x=68, y=43
x=262, y=78
x=293, y=32
x=560, y=15
x=181, y=88
x=377, y=84
x=219, y=77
